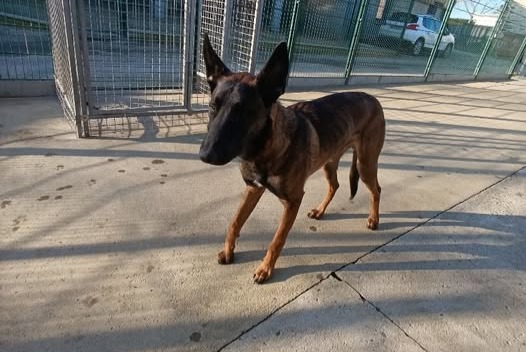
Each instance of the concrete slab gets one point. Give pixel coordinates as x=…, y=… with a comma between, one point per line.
x=110, y=243
x=329, y=317
x=457, y=283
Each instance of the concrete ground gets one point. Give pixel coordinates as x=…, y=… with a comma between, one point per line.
x=110, y=244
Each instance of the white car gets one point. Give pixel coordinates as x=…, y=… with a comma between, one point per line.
x=420, y=31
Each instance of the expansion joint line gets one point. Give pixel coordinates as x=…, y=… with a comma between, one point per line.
x=365, y=300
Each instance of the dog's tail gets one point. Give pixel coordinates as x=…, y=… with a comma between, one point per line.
x=354, y=176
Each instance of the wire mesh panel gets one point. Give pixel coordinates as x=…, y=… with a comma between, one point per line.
x=25, y=50
x=322, y=38
x=241, y=34
x=519, y=69
x=507, y=42
x=471, y=24
x=64, y=65
x=232, y=28
x=211, y=17
x=275, y=27
x=398, y=37
x=135, y=54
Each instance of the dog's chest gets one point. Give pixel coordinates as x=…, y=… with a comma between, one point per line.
x=259, y=177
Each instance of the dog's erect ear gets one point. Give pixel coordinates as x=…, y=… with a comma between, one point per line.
x=272, y=80
x=215, y=68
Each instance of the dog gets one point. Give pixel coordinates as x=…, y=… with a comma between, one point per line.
x=279, y=148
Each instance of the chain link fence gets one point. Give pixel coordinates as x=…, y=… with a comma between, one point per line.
x=122, y=65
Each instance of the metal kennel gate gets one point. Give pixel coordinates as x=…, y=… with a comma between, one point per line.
x=124, y=65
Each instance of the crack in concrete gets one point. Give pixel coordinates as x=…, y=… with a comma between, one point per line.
x=272, y=313
x=378, y=309
x=334, y=275
x=365, y=300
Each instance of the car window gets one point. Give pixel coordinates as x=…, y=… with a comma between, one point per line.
x=431, y=24
x=403, y=17
x=428, y=23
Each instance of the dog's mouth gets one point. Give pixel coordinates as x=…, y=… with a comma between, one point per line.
x=213, y=161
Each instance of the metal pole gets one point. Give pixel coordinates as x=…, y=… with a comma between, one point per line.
x=435, y=50
x=291, y=40
x=75, y=104
x=517, y=57
x=490, y=40
x=188, y=53
x=84, y=56
x=258, y=13
x=79, y=67
x=357, y=33
x=225, y=40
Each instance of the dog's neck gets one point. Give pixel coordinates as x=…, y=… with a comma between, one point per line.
x=269, y=144
x=281, y=120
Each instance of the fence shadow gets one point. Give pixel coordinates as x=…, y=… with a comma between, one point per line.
x=492, y=248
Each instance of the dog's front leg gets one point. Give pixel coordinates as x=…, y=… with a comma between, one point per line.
x=288, y=217
x=250, y=198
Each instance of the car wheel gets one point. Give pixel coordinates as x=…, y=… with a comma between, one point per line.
x=447, y=51
x=418, y=46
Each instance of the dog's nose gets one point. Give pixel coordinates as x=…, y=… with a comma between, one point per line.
x=205, y=157
x=208, y=156
x=205, y=152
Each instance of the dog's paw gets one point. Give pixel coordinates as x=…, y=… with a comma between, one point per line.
x=315, y=214
x=225, y=258
x=262, y=273
x=372, y=224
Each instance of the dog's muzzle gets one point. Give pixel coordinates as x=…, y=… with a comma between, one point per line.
x=209, y=156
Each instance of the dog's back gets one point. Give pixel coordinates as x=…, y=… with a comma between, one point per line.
x=342, y=119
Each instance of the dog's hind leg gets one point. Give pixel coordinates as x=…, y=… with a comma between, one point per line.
x=368, y=171
x=331, y=174
x=354, y=177
x=250, y=198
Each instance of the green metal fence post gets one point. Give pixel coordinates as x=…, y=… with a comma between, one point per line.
x=490, y=40
x=434, y=51
x=355, y=38
x=517, y=57
x=291, y=40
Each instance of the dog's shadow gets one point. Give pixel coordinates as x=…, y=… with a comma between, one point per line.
x=283, y=273
x=498, y=235
x=385, y=224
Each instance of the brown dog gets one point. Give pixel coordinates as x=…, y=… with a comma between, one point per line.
x=281, y=147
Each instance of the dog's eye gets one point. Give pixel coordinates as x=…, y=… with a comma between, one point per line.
x=212, y=107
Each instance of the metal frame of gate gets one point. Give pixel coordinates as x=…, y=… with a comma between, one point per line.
x=94, y=66
x=112, y=78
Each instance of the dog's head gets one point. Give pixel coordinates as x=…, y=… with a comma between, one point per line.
x=239, y=105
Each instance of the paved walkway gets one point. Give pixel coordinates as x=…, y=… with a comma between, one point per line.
x=110, y=244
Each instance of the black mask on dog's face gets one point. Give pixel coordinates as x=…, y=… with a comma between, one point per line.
x=239, y=105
